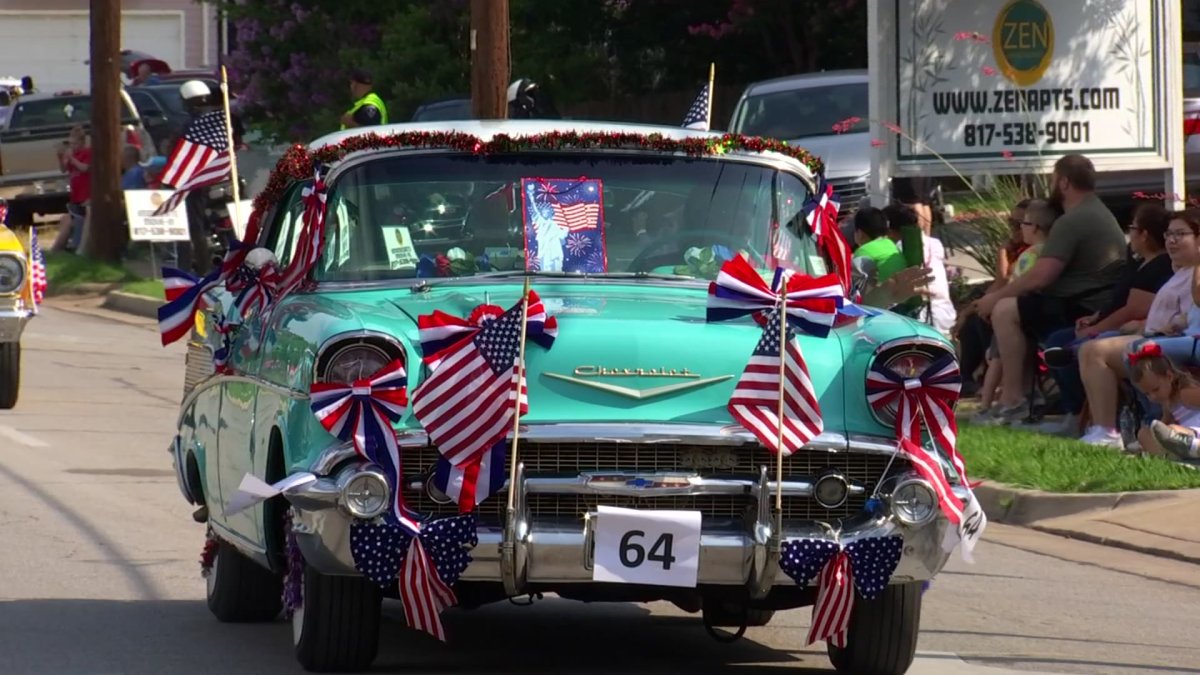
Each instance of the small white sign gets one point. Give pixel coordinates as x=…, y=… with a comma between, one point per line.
x=402, y=255
x=145, y=226
x=657, y=548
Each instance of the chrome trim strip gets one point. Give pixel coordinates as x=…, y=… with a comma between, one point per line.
x=219, y=378
x=914, y=341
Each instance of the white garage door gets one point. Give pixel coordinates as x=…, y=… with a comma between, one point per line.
x=53, y=46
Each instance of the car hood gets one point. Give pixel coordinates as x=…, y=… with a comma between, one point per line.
x=624, y=352
x=845, y=155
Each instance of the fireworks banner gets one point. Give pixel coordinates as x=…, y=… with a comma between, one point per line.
x=564, y=225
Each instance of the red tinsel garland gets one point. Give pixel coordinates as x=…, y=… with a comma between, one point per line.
x=297, y=163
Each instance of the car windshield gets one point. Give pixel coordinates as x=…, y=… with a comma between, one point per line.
x=51, y=111
x=456, y=215
x=802, y=113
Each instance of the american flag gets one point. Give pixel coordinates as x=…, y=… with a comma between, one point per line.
x=471, y=483
x=821, y=214
x=780, y=254
x=37, y=268
x=201, y=158
x=468, y=402
x=755, y=400
x=864, y=564
x=697, y=115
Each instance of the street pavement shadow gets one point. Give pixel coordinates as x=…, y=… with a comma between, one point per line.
x=110, y=637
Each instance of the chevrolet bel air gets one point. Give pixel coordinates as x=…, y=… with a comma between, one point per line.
x=16, y=308
x=631, y=480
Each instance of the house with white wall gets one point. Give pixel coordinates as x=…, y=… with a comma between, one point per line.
x=49, y=39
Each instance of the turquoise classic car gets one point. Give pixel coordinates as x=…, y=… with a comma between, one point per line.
x=628, y=412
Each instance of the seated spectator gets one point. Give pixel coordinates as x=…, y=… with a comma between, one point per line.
x=1177, y=433
x=1035, y=227
x=1080, y=262
x=939, y=310
x=1102, y=360
x=1131, y=302
x=133, y=174
x=972, y=332
x=871, y=238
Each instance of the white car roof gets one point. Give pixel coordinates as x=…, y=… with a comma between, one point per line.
x=485, y=130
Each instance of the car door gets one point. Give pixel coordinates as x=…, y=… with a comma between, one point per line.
x=244, y=435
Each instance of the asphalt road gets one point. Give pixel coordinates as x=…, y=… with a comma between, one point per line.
x=99, y=568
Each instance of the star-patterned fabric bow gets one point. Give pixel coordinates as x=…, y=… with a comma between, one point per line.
x=865, y=564
x=929, y=395
x=813, y=303
x=363, y=412
x=427, y=564
x=821, y=214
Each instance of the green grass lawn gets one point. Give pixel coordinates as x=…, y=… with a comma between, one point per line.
x=65, y=271
x=1032, y=460
x=151, y=288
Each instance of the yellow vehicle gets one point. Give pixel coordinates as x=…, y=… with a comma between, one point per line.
x=16, y=307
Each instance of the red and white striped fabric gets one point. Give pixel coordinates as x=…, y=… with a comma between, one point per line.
x=423, y=592
x=930, y=469
x=578, y=216
x=835, y=600
x=312, y=236
x=755, y=400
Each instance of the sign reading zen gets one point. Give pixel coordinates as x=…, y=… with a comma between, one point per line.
x=993, y=82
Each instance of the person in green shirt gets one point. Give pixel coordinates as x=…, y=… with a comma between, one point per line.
x=368, y=109
x=871, y=237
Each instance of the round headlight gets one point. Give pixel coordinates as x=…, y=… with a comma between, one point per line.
x=12, y=274
x=366, y=495
x=831, y=490
x=914, y=502
x=355, y=362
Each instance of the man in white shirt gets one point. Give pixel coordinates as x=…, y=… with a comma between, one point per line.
x=939, y=310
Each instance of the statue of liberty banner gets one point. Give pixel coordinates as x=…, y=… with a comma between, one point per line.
x=564, y=225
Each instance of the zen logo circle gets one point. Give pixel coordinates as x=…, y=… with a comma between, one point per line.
x=1023, y=41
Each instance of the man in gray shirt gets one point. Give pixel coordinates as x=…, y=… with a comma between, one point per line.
x=1073, y=277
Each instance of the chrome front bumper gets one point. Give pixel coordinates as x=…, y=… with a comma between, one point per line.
x=733, y=551
x=13, y=317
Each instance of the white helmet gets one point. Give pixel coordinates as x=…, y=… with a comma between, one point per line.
x=194, y=89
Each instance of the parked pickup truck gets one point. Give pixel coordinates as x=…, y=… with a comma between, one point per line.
x=30, y=176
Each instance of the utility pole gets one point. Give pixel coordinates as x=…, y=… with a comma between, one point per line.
x=104, y=236
x=489, y=59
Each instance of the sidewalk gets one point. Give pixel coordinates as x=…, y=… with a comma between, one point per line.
x=1159, y=523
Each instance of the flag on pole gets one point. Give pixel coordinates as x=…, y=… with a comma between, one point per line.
x=201, y=158
x=698, y=115
x=37, y=269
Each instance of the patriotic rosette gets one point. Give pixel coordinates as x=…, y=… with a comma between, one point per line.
x=813, y=304
x=254, y=287
x=821, y=214
x=426, y=557
x=185, y=295
x=864, y=564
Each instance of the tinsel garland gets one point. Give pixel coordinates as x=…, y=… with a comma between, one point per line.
x=297, y=163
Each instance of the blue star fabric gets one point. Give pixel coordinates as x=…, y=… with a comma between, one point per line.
x=379, y=547
x=802, y=559
x=873, y=561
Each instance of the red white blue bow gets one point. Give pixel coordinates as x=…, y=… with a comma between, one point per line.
x=254, y=290
x=929, y=395
x=184, y=294
x=865, y=564
x=312, y=233
x=821, y=214
x=427, y=563
x=363, y=412
x=813, y=304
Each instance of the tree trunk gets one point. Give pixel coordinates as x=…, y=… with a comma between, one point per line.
x=489, y=59
x=103, y=238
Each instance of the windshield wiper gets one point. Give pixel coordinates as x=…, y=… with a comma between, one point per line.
x=426, y=284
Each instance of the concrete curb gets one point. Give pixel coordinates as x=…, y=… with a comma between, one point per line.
x=1018, y=506
x=137, y=305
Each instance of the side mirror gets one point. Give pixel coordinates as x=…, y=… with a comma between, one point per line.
x=260, y=257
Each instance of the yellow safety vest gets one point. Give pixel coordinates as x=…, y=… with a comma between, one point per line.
x=370, y=99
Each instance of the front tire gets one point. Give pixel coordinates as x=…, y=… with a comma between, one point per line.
x=10, y=374
x=240, y=590
x=882, y=637
x=336, y=628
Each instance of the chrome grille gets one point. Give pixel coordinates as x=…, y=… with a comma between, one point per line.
x=568, y=459
x=198, y=365
x=848, y=193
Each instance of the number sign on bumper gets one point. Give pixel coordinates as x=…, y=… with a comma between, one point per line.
x=658, y=548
